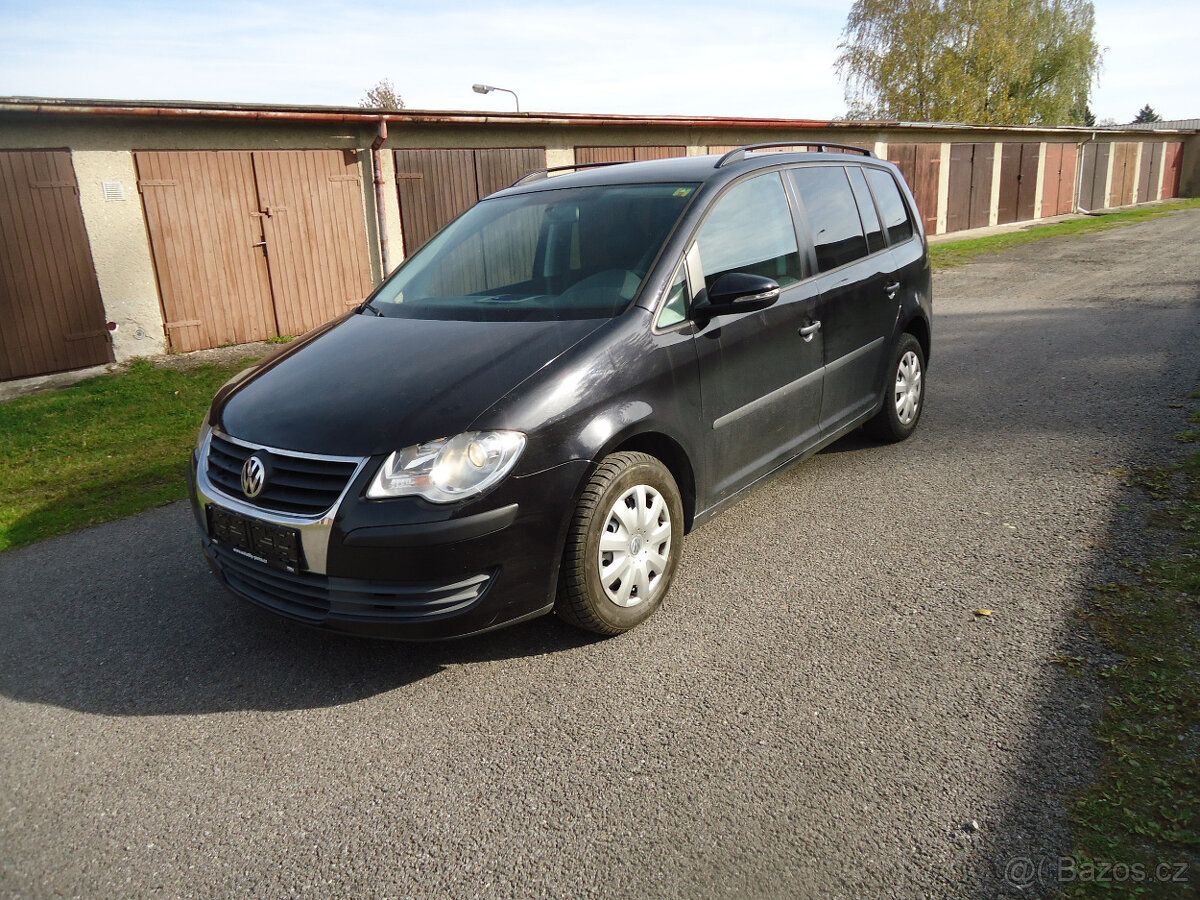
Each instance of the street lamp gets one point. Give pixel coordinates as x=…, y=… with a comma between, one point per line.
x=487, y=89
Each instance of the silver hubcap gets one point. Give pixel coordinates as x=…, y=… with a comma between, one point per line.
x=908, y=388
x=635, y=546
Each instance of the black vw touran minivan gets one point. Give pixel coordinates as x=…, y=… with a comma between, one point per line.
x=533, y=410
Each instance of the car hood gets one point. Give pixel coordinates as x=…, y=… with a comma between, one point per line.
x=370, y=385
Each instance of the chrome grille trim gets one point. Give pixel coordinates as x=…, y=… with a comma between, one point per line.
x=302, y=484
x=314, y=529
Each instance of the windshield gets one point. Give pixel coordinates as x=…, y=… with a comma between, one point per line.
x=573, y=253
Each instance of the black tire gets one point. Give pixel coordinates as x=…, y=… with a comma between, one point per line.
x=889, y=424
x=583, y=599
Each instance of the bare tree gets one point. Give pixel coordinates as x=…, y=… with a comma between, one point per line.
x=382, y=96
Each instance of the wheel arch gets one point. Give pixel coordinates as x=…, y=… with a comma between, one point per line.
x=919, y=328
x=672, y=455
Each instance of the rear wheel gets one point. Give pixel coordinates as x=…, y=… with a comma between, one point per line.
x=623, y=545
x=904, y=392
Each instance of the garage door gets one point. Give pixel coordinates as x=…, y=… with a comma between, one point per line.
x=584, y=155
x=50, y=306
x=920, y=164
x=436, y=185
x=1058, y=187
x=251, y=245
x=970, y=191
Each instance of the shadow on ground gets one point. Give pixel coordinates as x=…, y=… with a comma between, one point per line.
x=126, y=619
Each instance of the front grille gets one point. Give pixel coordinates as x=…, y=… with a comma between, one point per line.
x=301, y=485
x=313, y=598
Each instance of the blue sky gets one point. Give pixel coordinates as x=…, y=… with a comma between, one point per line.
x=756, y=58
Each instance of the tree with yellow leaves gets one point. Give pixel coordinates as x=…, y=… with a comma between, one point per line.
x=1000, y=62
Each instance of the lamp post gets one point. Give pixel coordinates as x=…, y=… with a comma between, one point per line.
x=487, y=89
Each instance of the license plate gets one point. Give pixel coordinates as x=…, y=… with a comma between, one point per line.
x=273, y=544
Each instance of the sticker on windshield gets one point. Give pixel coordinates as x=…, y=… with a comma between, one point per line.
x=682, y=192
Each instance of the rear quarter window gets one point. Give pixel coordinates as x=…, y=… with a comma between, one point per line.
x=891, y=205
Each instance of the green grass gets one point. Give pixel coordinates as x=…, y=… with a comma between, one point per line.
x=100, y=450
x=1144, y=810
x=956, y=253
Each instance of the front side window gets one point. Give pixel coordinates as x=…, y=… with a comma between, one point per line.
x=891, y=205
x=832, y=215
x=568, y=253
x=751, y=230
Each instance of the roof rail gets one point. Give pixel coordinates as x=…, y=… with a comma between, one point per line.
x=740, y=153
x=539, y=174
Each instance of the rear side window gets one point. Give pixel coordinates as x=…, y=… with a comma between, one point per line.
x=832, y=215
x=866, y=210
x=751, y=230
x=891, y=205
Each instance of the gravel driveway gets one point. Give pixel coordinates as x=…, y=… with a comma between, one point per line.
x=817, y=710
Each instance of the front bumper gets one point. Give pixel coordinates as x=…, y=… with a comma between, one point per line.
x=403, y=568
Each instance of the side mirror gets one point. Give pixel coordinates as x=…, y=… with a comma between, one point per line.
x=737, y=292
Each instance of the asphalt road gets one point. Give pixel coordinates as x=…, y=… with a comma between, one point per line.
x=817, y=710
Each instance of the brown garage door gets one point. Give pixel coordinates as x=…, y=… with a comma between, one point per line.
x=1149, y=171
x=1058, y=187
x=316, y=234
x=1125, y=159
x=1093, y=193
x=1018, y=181
x=250, y=245
x=50, y=306
x=920, y=165
x=970, y=192
x=1172, y=169
x=584, y=155
x=436, y=185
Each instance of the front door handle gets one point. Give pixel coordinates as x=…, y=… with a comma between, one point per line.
x=892, y=289
x=808, y=331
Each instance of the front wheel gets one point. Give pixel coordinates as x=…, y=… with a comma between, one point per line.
x=623, y=545
x=904, y=393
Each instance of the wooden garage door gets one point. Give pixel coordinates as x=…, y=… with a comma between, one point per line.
x=316, y=234
x=203, y=216
x=970, y=192
x=1058, y=186
x=435, y=186
x=920, y=164
x=1125, y=160
x=1093, y=193
x=1148, y=172
x=250, y=245
x=584, y=155
x=1018, y=181
x=50, y=306
x=1172, y=169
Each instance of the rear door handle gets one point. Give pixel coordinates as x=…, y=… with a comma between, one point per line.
x=892, y=289
x=808, y=331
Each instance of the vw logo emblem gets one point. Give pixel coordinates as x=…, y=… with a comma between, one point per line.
x=254, y=476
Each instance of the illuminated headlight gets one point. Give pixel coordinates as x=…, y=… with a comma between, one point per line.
x=450, y=469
